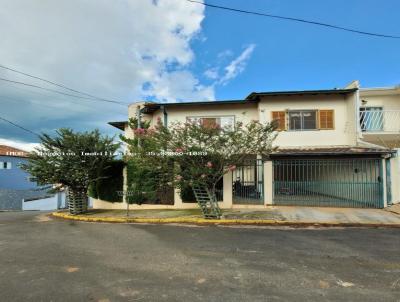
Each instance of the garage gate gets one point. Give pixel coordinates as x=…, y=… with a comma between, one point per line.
x=355, y=182
x=248, y=183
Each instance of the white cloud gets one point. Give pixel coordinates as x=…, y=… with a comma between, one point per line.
x=225, y=54
x=236, y=66
x=211, y=73
x=179, y=86
x=231, y=69
x=106, y=48
x=19, y=144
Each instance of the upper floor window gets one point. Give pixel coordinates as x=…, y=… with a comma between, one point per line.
x=226, y=122
x=298, y=120
x=5, y=165
x=371, y=118
x=303, y=120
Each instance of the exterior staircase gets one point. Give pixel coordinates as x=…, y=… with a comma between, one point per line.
x=207, y=202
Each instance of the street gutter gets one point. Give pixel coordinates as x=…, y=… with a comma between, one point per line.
x=202, y=221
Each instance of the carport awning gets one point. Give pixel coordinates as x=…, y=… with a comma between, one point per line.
x=330, y=151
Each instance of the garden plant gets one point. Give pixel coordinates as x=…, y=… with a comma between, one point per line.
x=72, y=161
x=195, y=154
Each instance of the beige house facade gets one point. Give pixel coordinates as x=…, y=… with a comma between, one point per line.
x=336, y=147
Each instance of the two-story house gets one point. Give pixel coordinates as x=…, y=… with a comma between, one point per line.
x=327, y=155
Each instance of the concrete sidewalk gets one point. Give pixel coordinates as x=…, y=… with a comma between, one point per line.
x=319, y=215
x=271, y=215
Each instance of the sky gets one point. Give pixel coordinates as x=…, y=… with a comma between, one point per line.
x=174, y=51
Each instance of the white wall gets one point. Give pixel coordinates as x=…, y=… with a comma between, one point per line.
x=46, y=204
x=344, y=132
x=390, y=103
x=242, y=112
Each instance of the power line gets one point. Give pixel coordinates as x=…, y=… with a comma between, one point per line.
x=55, y=84
x=296, y=20
x=18, y=126
x=52, y=105
x=60, y=92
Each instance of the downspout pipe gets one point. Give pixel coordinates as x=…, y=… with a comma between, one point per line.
x=138, y=117
x=165, y=116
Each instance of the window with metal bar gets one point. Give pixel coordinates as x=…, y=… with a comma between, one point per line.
x=371, y=118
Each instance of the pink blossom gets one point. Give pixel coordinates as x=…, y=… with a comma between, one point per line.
x=209, y=164
x=178, y=177
x=231, y=167
x=139, y=131
x=179, y=150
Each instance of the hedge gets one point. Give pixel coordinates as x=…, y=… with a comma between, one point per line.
x=111, y=183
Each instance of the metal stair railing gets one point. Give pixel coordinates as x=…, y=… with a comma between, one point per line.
x=207, y=202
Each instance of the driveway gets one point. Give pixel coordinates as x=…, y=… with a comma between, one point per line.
x=54, y=260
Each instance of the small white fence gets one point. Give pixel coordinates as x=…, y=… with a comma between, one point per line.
x=55, y=202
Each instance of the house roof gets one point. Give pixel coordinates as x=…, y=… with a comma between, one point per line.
x=253, y=97
x=11, y=151
x=120, y=125
x=256, y=95
x=333, y=150
x=150, y=107
x=380, y=91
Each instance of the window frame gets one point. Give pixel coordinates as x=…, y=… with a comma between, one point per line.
x=213, y=116
x=365, y=124
x=5, y=165
x=315, y=111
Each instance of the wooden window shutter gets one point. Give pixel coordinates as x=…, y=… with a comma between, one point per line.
x=209, y=122
x=326, y=119
x=280, y=118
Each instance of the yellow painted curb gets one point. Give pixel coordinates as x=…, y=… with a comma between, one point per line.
x=191, y=220
x=160, y=220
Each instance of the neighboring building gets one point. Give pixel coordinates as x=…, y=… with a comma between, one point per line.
x=334, y=149
x=11, y=176
x=380, y=116
x=16, y=187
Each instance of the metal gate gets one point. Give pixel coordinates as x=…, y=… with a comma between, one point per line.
x=329, y=182
x=248, y=183
x=388, y=182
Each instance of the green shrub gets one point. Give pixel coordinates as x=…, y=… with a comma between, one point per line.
x=187, y=195
x=109, y=184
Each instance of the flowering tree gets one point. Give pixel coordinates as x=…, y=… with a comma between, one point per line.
x=71, y=160
x=196, y=154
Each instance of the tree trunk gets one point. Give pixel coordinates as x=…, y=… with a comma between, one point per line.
x=77, y=201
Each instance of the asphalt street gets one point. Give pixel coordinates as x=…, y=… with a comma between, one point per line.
x=43, y=259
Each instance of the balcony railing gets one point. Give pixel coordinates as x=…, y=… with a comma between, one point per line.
x=380, y=121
